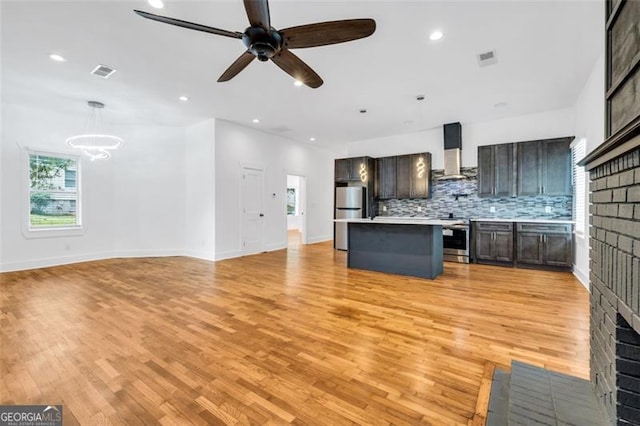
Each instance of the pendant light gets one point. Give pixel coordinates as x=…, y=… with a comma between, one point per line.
x=94, y=143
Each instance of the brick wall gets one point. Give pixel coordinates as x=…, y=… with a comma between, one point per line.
x=615, y=286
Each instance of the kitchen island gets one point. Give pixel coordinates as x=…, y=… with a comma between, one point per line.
x=404, y=246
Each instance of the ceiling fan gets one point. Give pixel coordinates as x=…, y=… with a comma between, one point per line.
x=265, y=42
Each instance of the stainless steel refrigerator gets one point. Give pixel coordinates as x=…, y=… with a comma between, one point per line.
x=350, y=203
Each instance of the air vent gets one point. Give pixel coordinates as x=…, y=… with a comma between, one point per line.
x=103, y=71
x=487, y=58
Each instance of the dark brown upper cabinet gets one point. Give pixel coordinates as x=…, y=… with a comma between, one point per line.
x=496, y=170
x=354, y=169
x=404, y=176
x=386, y=178
x=544, y=167
x=420, y=175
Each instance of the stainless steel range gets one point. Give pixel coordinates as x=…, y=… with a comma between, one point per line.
x=455, y=239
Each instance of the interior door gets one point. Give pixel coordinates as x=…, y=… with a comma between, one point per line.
x=252, y=211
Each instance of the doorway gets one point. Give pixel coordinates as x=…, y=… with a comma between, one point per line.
x=252, y=210
x=296, y=207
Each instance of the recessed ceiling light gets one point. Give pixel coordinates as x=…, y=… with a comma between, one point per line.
x=158, y=4
x=312, y=139
x=57, y=58
x=183, y=98
x=436, y=35
x=298, y=83
x=500, y=105
x=256, y=120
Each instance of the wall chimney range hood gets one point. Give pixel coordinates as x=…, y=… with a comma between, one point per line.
x=452, y=152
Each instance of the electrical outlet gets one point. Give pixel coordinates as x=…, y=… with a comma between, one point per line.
x=419, y=208
x=492, y=209
x=384, y=208
x=548, y=209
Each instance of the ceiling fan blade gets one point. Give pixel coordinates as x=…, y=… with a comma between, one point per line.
x=324, y=33
x=258, y=13
x=189, y=25
x=239, y=64
x=297, y=69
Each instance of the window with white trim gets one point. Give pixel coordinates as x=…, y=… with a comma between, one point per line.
x=54, y=199
x=579, y=176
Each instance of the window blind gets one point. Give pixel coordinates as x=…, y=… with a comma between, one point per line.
x=578, y=152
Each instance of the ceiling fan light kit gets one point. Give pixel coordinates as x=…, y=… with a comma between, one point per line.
x=264, y=42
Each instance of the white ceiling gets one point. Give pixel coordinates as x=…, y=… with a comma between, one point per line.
x=545, y=52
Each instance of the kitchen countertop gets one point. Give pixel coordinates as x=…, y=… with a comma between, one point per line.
x=524, y=220
x=400, y=221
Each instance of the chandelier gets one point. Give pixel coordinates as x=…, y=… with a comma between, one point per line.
x=94, y=143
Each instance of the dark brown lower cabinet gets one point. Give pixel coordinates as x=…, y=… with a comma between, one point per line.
x=544, y=245
x=493, y=242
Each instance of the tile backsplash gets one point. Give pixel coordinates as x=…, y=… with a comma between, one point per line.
x=443, y=201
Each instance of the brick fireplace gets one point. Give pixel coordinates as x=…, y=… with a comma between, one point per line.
x=614, y=170
x=615, y=287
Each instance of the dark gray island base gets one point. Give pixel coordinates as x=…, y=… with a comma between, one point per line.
x=404, y=249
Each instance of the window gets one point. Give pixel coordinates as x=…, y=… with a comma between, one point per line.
x=291, y=202
x=578, y=152
x=53, y=192
x=70, y=178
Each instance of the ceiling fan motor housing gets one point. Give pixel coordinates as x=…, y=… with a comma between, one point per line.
x=262, y=43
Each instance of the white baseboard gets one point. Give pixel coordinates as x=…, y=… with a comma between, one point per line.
x=52, y=261
x=228, y=255
x=67, y=260
x=204, y=255
x=276, y=246
x=319, y=239
x=148, y=253
x=582, y=276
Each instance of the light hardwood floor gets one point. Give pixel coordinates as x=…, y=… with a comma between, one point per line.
x=281, y=337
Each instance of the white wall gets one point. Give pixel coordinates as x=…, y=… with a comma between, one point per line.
x=132, y=204
x=237, y=145
x=526, y=127
x=149, y=203
x=200, y=190
x=589, y=124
